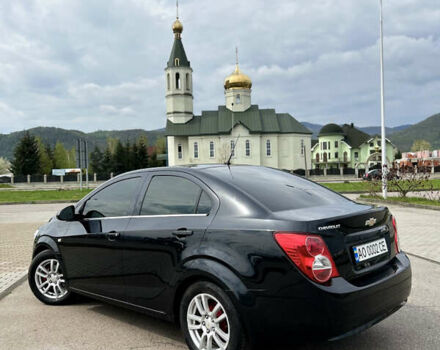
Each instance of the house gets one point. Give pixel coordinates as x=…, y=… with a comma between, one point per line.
x=346, y=147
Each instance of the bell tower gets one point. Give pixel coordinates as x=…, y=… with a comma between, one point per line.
x=178, y=75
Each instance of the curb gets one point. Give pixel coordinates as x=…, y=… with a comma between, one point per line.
x=40, y=202
x=422, y=257
x=13, y=286
x=401, y=204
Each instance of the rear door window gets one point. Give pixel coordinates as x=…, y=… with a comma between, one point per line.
x=167, y=195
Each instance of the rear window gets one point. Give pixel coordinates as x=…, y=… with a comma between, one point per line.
x=278, y=190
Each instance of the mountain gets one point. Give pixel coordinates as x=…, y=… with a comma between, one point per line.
x=428, y=129
x=371, y=130
x=68, y=137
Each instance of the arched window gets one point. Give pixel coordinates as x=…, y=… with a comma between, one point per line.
x=317, y=157
x=177, y=81
x=196, y=150
x=211, y=149
x=233, y=148
x=179, y=151
x=345, y=157
x=187, y=81
x=237, y=99
x=168, y=81
x=268, y=150
x=248, y=148
x=325, y=157
x=176, y=62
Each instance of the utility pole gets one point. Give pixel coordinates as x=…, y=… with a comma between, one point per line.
x=79, y=161
x=382, y=111
x=305, y=159
x=82, y=161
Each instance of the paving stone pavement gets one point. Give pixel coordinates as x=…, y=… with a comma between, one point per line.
x=418, y=229
x=17, y=226
x=419, y=232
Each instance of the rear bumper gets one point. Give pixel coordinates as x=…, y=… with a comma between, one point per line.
x=332, y=312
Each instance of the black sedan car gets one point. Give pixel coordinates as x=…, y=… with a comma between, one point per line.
x=239, y=255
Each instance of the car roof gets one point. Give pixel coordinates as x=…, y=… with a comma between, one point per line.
x=190, y=168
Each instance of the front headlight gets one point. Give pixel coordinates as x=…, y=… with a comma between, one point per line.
x=36, y=233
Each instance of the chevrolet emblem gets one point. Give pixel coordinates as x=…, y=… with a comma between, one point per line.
x=370, y=222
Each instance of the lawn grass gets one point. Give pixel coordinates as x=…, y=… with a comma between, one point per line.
x=364, y=186
x=410, y=200
x=42, y=196
x=5, y=186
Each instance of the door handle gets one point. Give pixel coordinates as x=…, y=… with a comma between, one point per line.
x=112, y=235
x=182, y=232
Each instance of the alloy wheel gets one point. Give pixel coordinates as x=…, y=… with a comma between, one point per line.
x=208, y=323
x=49, y=279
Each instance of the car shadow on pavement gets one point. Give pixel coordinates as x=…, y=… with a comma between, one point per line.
x=365, y=340
x=140, y=320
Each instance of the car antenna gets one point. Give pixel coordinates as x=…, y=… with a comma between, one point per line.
x=228, y=162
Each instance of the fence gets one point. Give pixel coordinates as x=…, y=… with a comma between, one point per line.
x=53, y=179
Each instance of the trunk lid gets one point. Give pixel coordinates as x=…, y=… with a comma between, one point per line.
x=346, y=226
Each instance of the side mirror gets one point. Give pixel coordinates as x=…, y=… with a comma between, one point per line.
x=67, y=214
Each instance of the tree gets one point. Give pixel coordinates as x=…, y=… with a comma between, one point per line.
x=134, y=157
x=46, y=164
x=26, y=156
x=71, y=158
x=142, y=154
x=161, y=145
x=128, y=156
x=119, y=158
x=60, y=158
x=5, y=166
x=107, y=161
x=96, y=161
x=112, y=142
x=420, y=145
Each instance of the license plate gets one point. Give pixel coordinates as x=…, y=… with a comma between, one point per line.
x=370, y=250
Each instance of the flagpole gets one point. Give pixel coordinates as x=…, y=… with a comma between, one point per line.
x=382, y=111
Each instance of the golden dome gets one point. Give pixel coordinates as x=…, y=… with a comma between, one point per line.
x=177, y=27
x=238, y=80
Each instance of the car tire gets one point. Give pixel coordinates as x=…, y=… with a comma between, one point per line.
x=200, y=327
x=46, y=279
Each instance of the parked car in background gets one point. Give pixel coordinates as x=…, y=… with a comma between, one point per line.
x=376, y=174
x=238, y=255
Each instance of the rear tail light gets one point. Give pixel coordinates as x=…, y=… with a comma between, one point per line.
x=310, y=254
x=396, y=238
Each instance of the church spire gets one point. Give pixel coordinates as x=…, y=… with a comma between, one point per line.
x=179, y=98
x=177, y=25
x=178, y=55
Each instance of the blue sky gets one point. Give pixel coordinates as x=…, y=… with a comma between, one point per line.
x=92, y=65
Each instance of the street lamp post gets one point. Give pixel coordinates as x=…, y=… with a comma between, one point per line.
x=382, y=111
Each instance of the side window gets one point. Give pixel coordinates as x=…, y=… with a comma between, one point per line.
x=205, y=204
x=170, y=195
x=114, y=200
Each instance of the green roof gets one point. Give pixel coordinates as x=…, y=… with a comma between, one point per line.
x=331, y=129
x=257, y=121
x=178, y=52
x=353, y=136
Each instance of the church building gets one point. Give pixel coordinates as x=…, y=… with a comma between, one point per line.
x=253, y=135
